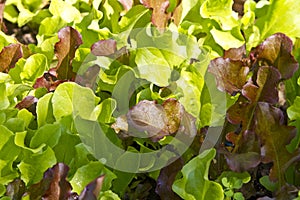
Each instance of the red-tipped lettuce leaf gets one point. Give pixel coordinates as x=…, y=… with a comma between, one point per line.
x=248, y=154
x=274, y=136
x=48, y=80
x=69, y=40
x=92, y=190
x=158, y=120
x=53, y=185
x=9, y=56
x=89, y=78
x=127, y=4
x=276, y=51
x=16, y=189
x=104, y=47
x=160, y=16
x=26, y=102
x=231, y=75
x=267, y=79
x=235, y=53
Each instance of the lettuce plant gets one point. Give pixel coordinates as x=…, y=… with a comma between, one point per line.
x=121, y=99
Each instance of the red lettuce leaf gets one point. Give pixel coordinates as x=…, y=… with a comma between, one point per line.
x=166, y=179
x=250, y=91
x=53, y=185
x=240, y=112
x=236, y=53
x=104, y=47
x=158, y=120
x=89, y=78
x=241, y=162
x=48, y=80
x=273, y=136
x=248, y=155
x=69, y=40
x=92, y=190
x=263, y=133
x=9, y=56
x=28, y=103
x=276, y=51
x=160, y=16
x=127, y=4
x=231, y=75
x=267, y=79
x=109, y=48
x=16, y=189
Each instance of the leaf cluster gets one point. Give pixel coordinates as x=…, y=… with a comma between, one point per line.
x=139, y=73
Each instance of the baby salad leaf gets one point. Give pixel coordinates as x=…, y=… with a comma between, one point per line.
x=157, y=120
x=92, y=190
x=9, y=152
x=271, y=23
x=221, y=11
x=34, y=67
x=156, y=65
x=274, y=137
x=9, y=56
x=231, y=75
x=87, y=173
x=294, y=110
x=104, y=47
x=44, y=110
x=276, y=51
x=232, y=180
x=16, y=189
x=48, y=134
x=53, y=185
x=160, y=16
x=127, y=4
x=69, y=41
x=166, y=179
x=194, y=184
x=233, y=37
x=30, y=171
x=65, y=10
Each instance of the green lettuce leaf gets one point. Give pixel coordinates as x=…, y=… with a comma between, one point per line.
x=65, y=10
x=194, y=184
x=30, y=171
x=89, y=172
x=68, y=99
x=287, y=22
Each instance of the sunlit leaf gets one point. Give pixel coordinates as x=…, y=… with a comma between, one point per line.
x=160, y=16
x=195, y=183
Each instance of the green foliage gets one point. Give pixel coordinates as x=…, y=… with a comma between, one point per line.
x=195, y=183
x=108, y=80
x=232, y=181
